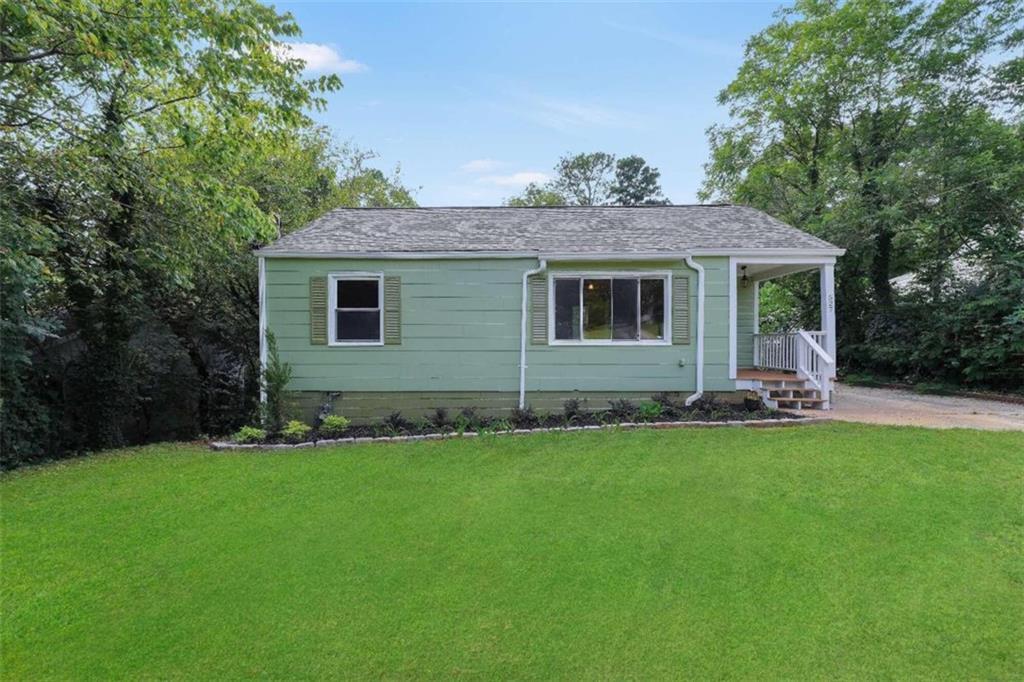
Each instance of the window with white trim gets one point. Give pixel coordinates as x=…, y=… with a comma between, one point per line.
x=610, y=309
x=355, y=309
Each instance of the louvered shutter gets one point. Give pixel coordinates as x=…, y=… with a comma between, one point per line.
x=318, y=311
x=681, y=310
x=392, y=310
x=539, y=310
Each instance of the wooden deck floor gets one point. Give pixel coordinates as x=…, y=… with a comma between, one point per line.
x=748, y=373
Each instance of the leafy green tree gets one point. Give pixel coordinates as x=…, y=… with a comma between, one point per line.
x=126, y=129
x=537, y=195
x=636, y=183
x=586, y=179
x=365, y=187
x=886, y=126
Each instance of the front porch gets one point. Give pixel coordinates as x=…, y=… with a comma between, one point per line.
x=791, y=369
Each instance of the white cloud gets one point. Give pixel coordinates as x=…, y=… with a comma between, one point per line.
x=480, y=166
x=515, y=179
x=320, y=58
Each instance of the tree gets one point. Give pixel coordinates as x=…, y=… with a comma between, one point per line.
x=370, y=187
x=126, y=131
x=586, y=179
x=898, y=141
x=636, y=183
x=595, y=179
x=537, y=195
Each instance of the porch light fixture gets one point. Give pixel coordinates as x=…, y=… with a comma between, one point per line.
x=744, y=280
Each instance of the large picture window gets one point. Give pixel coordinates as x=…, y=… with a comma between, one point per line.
x=610, y=309
x=355, y=309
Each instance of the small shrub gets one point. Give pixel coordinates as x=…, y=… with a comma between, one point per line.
x=333, y=425
x=572, y=410
x=524, y=418
x=503, y=425
x=467, y=420
x=671, y=407
x=394, y=424
x=296, y=432
x=621, y=410
x=440, y=419
x=649, y=412
x=249, y=434
x=275, y=378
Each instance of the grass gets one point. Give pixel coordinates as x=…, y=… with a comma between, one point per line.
x=836, y=551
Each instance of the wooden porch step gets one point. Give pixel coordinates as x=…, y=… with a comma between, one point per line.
x=816, y=401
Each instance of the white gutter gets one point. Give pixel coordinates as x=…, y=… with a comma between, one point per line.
x=829, y=252
x=522, y=330
x=700, y=329
x=263, y=326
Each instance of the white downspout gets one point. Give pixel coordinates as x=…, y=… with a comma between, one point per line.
x=263, y=326
x=700, y=329
x=522, y=330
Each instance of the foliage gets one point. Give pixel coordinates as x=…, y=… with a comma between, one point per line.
x=524, y=417
x=636, y=183
x=901, y=142
x=572, y=411
x=143, y=154
x=537, y=195
x=333, y=425
x=649, y=411
x=296, y=432
x=395, y=424
x=275, y=378
x=595, y=179
x=656, y=541
x=621, y=410
x=249, y=434
x=440, y=418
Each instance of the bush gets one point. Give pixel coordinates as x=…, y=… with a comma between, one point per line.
x=334, y=425
x=275, y=380
x=395, y=424
x=524, y=418
x=467, y=420
x=671, y=407
x=649, y=412
x=296, y=432
x=249, y=434
x=440, y=419
x=572, y=410
x=621, y=410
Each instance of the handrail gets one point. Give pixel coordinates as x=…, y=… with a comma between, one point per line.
x=813, y=345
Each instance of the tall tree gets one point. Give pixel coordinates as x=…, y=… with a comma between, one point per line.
x=636, y=183
x=537, y=195
x=870, y=122
x=586, y=179
x=126, y=127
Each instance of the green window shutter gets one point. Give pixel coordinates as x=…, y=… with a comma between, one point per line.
x=318, y=311
x=392, y=310
x=539, y=310
x=681, y=310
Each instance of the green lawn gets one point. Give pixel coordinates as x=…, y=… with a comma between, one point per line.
x=837, y=551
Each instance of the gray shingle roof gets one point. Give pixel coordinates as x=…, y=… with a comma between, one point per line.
x=564, y=230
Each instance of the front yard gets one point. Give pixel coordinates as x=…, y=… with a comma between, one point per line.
x=838, y=551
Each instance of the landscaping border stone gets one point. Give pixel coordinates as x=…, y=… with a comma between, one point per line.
x=329, y=442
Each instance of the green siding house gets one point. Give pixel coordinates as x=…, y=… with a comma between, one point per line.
x=412, y=309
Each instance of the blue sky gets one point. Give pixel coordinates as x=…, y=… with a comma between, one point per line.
x=474, y=100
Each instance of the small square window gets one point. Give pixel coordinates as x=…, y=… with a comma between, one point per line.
x=357, y=311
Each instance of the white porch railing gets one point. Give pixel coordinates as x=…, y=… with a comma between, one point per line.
x=801, y=351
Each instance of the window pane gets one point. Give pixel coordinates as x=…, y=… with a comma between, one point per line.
x=652, y=309
x=357, y=293
x=567, y=309
x=597, y=309
x=624, y=313
x=357, y=325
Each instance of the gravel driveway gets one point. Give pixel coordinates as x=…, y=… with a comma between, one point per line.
x=905, y=408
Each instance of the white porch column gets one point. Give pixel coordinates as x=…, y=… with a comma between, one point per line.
x=828, y=307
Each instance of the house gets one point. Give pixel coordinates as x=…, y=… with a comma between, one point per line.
x=410, y=309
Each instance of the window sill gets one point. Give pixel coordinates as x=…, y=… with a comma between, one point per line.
x=617, y=344
x=354, y=344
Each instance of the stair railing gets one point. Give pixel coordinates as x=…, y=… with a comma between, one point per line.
x=813, y=362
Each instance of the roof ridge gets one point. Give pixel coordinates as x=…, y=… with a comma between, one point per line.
x=516, y=208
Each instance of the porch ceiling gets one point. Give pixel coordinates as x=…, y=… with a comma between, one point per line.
x=760, y=272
